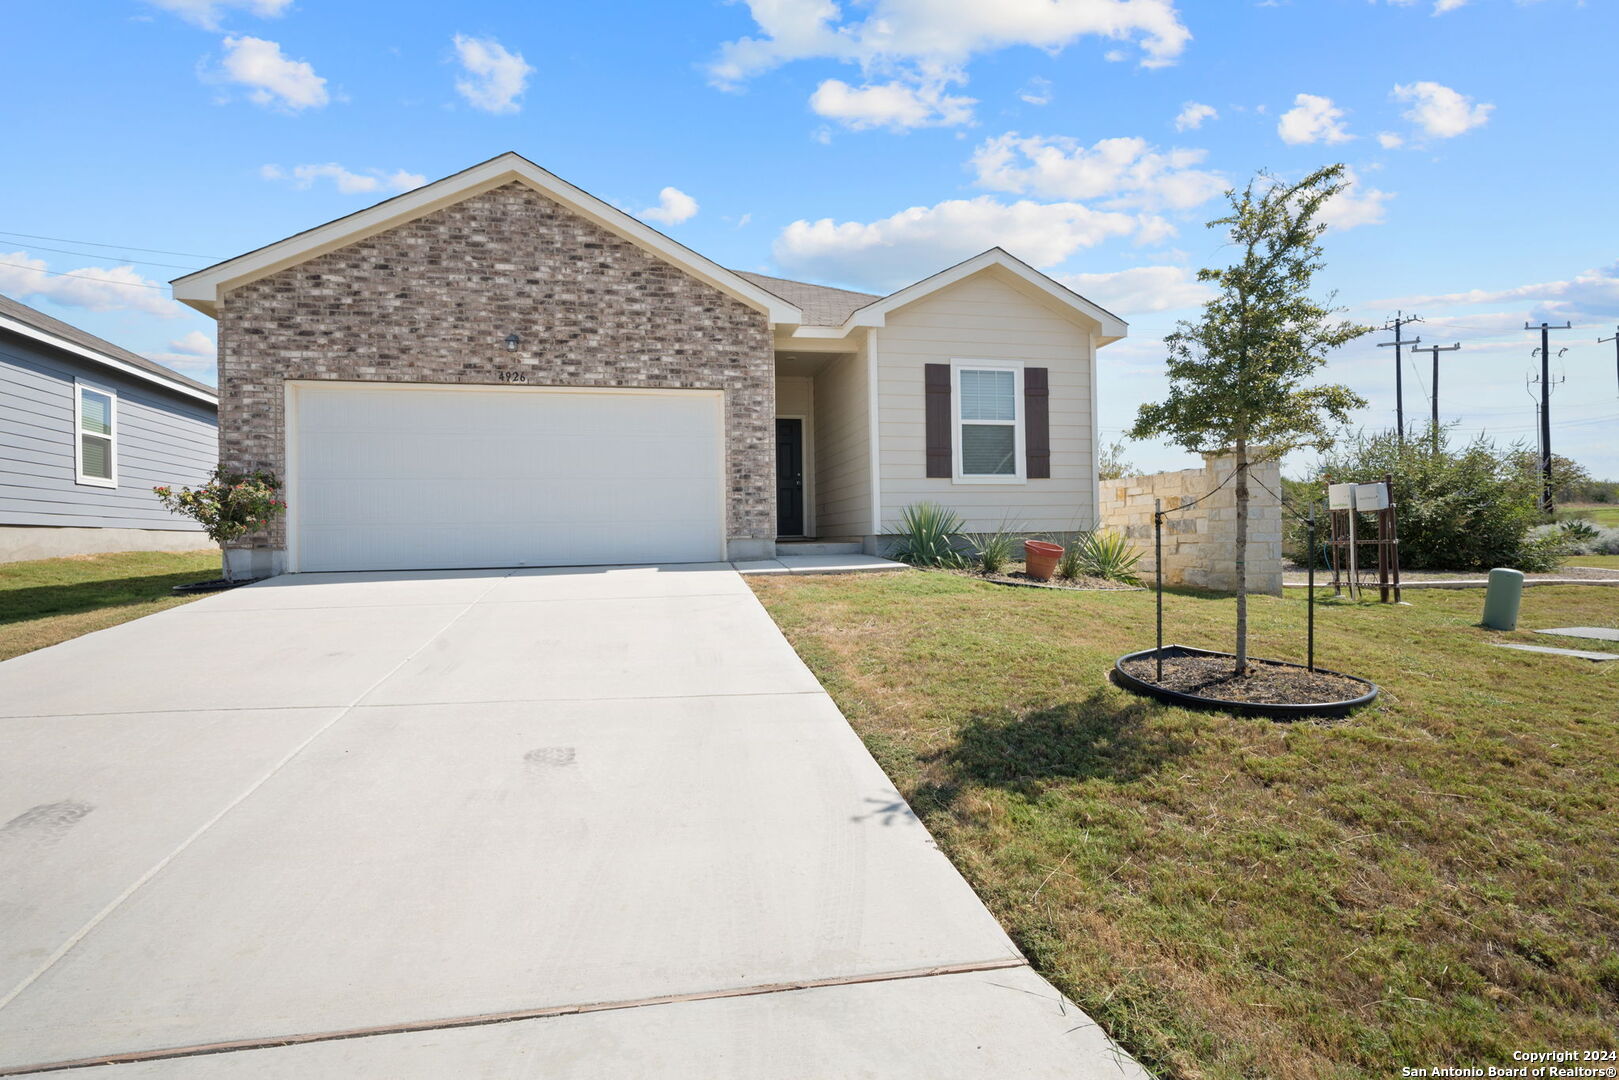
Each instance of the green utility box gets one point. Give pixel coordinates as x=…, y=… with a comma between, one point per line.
x=1502, y=598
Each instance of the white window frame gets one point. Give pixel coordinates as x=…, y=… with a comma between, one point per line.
x=958, y=475
x=79, y=387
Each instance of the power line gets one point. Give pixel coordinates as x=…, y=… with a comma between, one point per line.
x=92, y=255
x=1546, y=410
x=118, y=247
x=1397, y=324
x=83, y=277
x=1433, y=394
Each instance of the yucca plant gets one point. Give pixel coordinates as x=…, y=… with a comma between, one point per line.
x=995, y=549
x=1106, y=555
x=929, y=535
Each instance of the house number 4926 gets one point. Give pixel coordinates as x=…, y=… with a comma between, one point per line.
x=514, y=376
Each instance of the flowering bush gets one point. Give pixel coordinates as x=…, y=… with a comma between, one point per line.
x=230, y=505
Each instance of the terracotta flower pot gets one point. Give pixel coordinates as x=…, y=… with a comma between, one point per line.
x=1040, y=559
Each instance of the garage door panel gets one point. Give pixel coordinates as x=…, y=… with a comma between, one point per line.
x=393, y=478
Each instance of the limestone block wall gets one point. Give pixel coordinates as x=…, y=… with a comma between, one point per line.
x=1200, y=543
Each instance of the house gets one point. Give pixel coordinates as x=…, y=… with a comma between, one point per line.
x=499, y=369
x=87, y=429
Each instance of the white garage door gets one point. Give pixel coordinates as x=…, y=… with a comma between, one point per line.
x=433, y=477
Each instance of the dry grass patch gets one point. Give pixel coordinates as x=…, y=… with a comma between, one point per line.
x=1435, y=880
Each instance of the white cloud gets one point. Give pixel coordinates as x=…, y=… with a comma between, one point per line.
x=193, y=353
x=1192, y=116
x=1140, y=289
x=897, y=250
x=496, y=77
x=1388, y=140
x=1036, y=91
x=349, y=183
x=274, y=79
x=1590, y=296
x=674, y=206
x=205, y=13
x=1440, y=111
x=94, y=288
x=941, y=33
x=1356, y=205
x=1128, y=172
x=923, y=45
x=1442, y=6
x=894, y=105
x=1312, y=119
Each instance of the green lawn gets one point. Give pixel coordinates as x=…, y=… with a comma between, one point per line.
x=1600, y=513
x=52, y=600
x=1609, y=561
x=1433, y=881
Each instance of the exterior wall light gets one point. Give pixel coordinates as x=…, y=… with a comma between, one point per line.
x=512, y=341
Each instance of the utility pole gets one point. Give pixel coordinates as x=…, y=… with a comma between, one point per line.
x=1436, y=350
x=1615, y=340
x=1400, y=320
x=1546, y=502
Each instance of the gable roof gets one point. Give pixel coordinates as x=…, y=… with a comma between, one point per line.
x=203, y=288
x=822, y=305
x=21, y=319
x=833, y=313
x=996, y=260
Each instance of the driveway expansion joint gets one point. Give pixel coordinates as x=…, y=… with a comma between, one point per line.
x=484, y=1019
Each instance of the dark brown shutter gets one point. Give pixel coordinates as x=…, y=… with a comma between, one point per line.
x=937, y=377
x=1037, y=423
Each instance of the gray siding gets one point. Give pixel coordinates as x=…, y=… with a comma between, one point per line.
x=163, y=438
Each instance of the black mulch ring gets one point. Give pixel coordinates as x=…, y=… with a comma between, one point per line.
x=216, y=585
x=1018, y=576
x=1270, y=687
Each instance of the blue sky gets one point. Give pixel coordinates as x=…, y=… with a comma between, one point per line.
x=867, y=145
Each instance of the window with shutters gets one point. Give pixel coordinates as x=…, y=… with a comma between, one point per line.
x=95, y=422
x=989, y=443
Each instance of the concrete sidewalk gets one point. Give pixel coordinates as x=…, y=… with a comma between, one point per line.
x=595, y=822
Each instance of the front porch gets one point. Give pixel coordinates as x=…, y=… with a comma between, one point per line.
x=823, y=451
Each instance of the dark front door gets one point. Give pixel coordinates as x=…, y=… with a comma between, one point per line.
x=789, y=478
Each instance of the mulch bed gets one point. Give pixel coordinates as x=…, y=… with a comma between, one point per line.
x=1267, y=682
x=1014, y=574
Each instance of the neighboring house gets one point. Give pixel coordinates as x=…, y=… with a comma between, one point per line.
x=499, y=369
x=87, y=429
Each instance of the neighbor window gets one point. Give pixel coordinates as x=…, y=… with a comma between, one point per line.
x=97, y=451
x=989, y=424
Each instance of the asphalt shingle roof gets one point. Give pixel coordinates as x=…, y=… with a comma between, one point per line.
x=822, y=305
x=11, y=309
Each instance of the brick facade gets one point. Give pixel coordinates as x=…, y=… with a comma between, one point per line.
x=434, y=299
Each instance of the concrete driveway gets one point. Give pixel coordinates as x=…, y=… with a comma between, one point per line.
x=582, y=823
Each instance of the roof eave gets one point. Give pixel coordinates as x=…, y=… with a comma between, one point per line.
x=55, y=341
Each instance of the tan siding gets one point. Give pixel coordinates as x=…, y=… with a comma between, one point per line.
x=985, y=318
x=842, y=449
x=795, y=395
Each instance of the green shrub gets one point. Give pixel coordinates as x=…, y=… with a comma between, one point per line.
x=1472, y=507
x=229, y=505
x=995, y=549
x=930, y=535
x=1108, y=555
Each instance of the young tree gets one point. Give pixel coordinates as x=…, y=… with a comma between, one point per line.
x=1238, y=374
x=1111, y=462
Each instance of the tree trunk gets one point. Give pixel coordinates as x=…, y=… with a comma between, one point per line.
x=1242, y=557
